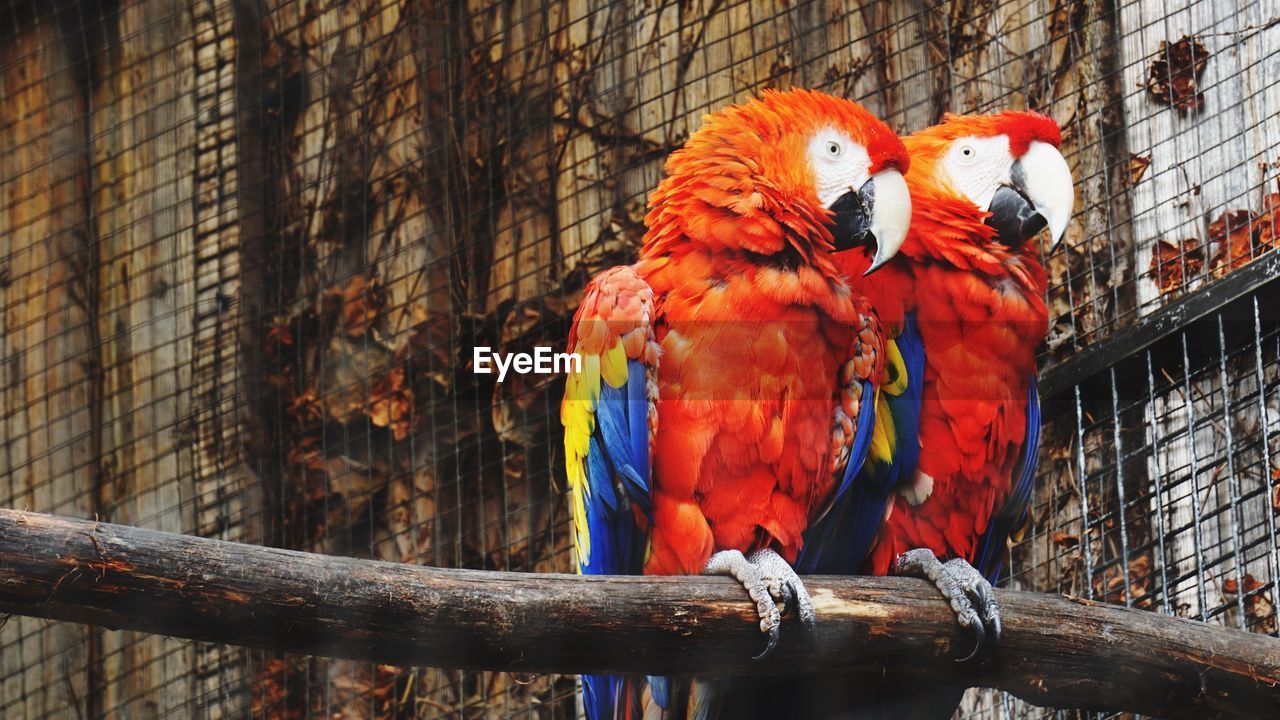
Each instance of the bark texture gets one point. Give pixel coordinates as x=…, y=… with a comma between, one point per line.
x=1055, y=651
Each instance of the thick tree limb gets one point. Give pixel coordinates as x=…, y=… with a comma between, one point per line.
x=1055, y=651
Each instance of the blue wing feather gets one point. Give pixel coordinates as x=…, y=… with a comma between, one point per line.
x=832, y=541
x=638, y=424
x=617, y=472
x=619, y=458
x=599, y=694
x=991, y=551
x=861, y=439
x=838, y=542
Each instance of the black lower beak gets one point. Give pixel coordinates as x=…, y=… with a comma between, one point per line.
x=1014, y=217
x=852, y=218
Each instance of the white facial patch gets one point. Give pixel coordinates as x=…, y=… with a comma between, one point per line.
x=978, y=166
x=839, y=165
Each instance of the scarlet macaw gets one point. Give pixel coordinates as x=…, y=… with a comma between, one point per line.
x=726, y=391
x=965, y=296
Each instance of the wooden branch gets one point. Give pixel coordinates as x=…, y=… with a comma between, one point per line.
x=1055, y=652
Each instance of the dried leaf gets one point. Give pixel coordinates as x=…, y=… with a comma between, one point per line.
x=1230, y=222
x=279, y=335
x=391, y=404
x=271, y=697
x=1263, y=610
x=305, y=408
x=1062, y=539
x=1174, y=264
x=306, y=455
x=1232, y=237
x=1251, y=583
x=361, y=300
x=1268, y=227
x=1138, y=165
x=1110, y=586
x=1258, y=606
x=1174, y=76
x=348, y=368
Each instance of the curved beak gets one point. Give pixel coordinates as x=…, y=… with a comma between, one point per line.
x=1039, y=194
x=878, y=213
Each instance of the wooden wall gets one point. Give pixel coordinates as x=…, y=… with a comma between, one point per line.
x=120, y=340
x=47, y=457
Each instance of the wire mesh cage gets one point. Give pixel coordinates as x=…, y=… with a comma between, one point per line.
x=249, y=248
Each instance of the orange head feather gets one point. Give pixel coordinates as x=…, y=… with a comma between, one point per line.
x=743, y=180
x=1022, y=127
x=945, y=223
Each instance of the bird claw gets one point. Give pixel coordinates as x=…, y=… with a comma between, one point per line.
x=786, y=587
x=769, y=580
x=969, y=619
x=970, y=595
x=774, y=634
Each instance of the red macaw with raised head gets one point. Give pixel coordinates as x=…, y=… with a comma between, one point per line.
x=726, y=394
x=965, y=297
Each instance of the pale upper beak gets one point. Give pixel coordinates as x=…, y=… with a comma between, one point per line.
x=890, y=217
x=878, y=213
x=1046, y=181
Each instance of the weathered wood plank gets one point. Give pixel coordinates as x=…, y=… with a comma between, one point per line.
x=144, y=146
x=1204, y=162
x=46, y=346
x=221, y=478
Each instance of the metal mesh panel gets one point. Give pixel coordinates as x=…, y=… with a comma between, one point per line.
x=249, y=247
x=1160, y=490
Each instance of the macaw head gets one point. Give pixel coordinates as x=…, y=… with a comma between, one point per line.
x=1004, y=167
x=797, y=172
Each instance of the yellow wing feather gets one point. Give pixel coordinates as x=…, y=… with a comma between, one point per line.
x=578, y=414
x=612, y=328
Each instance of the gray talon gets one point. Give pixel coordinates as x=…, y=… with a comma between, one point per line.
x=970, y=620
x=769, y=580
x=969, y=594
x=774, y=634
x=984, y=600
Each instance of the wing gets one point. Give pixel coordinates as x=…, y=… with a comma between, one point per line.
x=882, y=447
x=992, y=550
x=609, y=415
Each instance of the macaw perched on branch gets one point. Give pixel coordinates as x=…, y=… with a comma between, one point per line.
x=726, y=394
x=966, y=297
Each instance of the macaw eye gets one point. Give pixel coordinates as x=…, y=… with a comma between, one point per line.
x=968, y=152
x=833, y=149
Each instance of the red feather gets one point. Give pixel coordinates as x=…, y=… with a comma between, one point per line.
x=751, y=349
x=981, y=313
